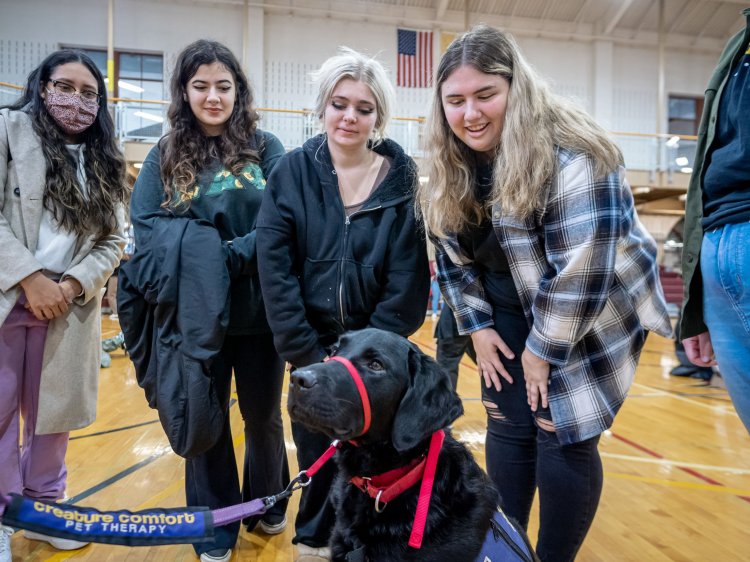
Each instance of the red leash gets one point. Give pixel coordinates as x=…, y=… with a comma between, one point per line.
x=425, y=492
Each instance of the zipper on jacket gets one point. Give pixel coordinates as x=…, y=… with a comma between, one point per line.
x=347, y=222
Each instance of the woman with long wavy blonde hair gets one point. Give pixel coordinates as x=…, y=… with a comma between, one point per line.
x=543, y=260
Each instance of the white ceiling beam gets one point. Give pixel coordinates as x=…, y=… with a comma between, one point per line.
x=513, y=8
x=441, y=9
x=624, y=5
x=357, y=10
x=582, y=11
x=644, y=18
x=686, y=13
x=545, y=12
x=705, y=25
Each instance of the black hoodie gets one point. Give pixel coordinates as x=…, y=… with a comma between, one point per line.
x=322, y=273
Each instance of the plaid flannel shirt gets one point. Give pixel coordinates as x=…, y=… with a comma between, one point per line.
x=586, y=274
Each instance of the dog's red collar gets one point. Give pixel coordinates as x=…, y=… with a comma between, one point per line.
x=360, y=388
x=389, y=485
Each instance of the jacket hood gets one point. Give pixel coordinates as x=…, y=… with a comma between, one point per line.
x=397, y=185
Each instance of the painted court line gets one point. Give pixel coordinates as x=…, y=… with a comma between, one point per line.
x=115, y=430
x=677, y=464
x=714, y=408
x=739, y=492
x=687, y=470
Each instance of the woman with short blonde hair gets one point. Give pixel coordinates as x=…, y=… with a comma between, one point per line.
x=340, y=248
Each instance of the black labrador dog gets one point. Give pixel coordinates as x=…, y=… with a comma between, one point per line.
x=410, y=398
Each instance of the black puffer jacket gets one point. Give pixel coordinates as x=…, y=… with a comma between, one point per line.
x=323, y=273
x=172, y=335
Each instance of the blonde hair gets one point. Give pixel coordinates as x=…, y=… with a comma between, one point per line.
x=536, y=122
x=348, y=63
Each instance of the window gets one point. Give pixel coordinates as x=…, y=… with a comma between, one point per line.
x=684, y=114
x=684, y=118
x=138, y=76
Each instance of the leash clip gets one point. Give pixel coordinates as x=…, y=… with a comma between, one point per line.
x=300, y=481
x=378, y=506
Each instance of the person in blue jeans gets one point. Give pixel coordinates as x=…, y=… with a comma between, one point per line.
x=716, y=254
x=434, y=291
x=545, y=264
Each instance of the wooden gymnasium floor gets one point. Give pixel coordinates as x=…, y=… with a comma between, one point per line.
x=676, y=462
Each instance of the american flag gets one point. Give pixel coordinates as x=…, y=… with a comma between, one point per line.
x=414, y=59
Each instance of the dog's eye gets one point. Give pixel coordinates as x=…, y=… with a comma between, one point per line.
x=375, y=365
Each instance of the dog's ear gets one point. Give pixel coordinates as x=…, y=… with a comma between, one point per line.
x=430, y=403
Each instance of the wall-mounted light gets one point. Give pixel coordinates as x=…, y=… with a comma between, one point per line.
x=673, y=141
x=681, y=161
x=686, y=170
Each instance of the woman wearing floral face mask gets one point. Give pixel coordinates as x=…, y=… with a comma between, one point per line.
x=62, y=201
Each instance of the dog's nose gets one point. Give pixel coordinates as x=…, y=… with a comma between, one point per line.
x=303, y=379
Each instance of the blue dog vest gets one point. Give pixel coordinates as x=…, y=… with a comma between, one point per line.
x=503, y=542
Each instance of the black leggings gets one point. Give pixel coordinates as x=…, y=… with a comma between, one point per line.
x=522, y=457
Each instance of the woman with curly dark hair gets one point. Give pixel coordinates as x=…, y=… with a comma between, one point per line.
x=62, y=203
x=211, y=167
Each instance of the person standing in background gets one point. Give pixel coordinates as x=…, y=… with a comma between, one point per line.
x=715, y=326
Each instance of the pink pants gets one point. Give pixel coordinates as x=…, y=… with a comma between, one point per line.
x=37, y=468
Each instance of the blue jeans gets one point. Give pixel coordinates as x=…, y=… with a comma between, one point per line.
x=725, y=268
x=435, y=290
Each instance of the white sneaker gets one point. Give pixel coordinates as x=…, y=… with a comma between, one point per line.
x=217, y=555
x=311, y=554
x=273, y=528
x=5, y=534
x=58, y=543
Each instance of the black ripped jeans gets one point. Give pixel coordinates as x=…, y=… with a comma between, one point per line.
x=522, y=457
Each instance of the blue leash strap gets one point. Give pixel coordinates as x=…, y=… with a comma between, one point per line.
x=140, y=528
x=149, y=527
